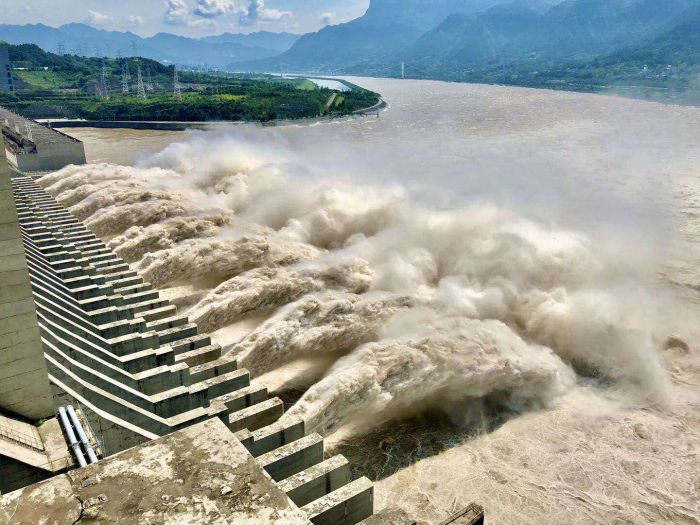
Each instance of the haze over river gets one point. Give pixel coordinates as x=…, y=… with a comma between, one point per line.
x=520, y=265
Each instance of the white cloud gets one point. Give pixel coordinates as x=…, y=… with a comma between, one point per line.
x=134, y=21
x=97, y=19
x=176, y=13
x=257, y=12
x=213, y=8
x=327, y=18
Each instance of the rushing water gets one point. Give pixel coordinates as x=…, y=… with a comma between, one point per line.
x=579, y=160
x=484, y=294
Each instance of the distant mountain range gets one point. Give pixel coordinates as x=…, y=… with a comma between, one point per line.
x=215, y=51
x=574, y=30
x=585, y=45
x=387, y=28
x=678, y=45
x=442, y=38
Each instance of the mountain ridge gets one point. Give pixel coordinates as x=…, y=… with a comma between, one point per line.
x=387, y=27
x=474, y=34
x=86, y=40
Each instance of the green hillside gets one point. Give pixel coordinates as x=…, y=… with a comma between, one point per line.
x=38, y=69
x=55, y=86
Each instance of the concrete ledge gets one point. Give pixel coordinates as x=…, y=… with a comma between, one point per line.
x=293, y=457
x=346, y=506
x=317, y=481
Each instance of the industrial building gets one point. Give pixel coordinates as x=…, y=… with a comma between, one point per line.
x=6, y=82
x=32, y=147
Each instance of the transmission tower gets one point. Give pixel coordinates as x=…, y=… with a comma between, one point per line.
x=140, y=89
x=105, y=87
x=61, y=48
x=125, y=76
x=149, y=83
x=177, y=91
x=128, y=70
x=133, y=48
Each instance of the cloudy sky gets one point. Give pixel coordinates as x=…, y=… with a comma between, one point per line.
x=185, y=17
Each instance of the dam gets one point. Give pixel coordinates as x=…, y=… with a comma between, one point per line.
x=155, y=398
x=139, y=371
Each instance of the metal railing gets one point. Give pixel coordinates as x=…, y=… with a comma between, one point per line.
x=25, y=440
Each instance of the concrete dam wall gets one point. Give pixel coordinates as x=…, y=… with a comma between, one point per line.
x=139, y=370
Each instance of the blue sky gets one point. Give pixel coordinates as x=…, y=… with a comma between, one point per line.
x=186, y=17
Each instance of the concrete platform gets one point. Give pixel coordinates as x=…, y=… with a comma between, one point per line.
x=30, y=453
x=199, y=475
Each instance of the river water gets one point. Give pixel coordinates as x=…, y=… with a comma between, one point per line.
x=581, y=160
x=485, y=294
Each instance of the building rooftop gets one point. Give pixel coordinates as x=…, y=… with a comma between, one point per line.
x=40, y=134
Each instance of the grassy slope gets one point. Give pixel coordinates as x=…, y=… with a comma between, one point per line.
x=67, y=86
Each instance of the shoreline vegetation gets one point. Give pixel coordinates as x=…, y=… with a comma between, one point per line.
x=50, y=86
x=171, y=125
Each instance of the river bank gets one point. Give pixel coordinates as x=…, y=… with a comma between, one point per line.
x=183, y=126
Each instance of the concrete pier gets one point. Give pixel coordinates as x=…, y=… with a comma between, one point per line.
x=24, y=384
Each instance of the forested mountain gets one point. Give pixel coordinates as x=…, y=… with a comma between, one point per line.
x=387, y=28
x=500, y=33
x=216, y=51
x=676, y=46
x=663, y=67
x=574, y=30
x=444, y=37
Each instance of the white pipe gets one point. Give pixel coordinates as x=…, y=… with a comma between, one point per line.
x=71, y=437
x=81, y=434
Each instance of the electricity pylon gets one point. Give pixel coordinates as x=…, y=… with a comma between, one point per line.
x=177, y=91
x=140, y=89
x=105, y=87
x=149, y=83
x=125, y=76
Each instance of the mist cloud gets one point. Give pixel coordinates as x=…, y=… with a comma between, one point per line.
x=414, y=305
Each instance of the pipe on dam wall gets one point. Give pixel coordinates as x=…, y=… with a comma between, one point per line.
x=81, y=434
x=72, y=441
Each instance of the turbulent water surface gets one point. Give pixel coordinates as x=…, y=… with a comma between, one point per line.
x=486, y=294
